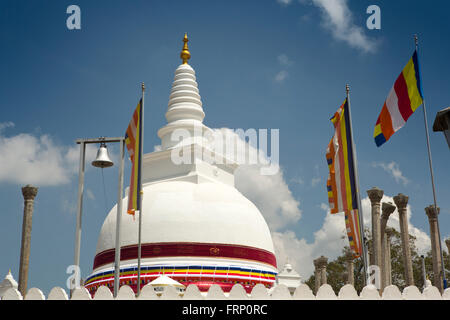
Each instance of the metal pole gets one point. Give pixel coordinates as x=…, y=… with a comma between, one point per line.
x=430, y=162
x=360, y=213
x=79, y=208
x=118, y=218
x=82, y=143
x=141, y=191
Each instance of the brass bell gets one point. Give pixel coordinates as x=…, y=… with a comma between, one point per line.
x=102, y=160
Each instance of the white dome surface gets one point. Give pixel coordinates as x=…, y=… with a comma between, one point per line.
x=179, y=211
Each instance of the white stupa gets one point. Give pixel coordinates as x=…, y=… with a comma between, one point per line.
x=196, y=226
x=7, y=283
x=162, y=282
x=289, y=277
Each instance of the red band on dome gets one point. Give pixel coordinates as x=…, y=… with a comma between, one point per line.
x=190, y=249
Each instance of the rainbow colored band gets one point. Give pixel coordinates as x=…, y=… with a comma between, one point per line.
x=187, y=249
x=188, y=272
x=202, y=276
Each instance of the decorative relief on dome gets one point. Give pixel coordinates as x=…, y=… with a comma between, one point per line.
x=214, y=251
x=157, y=250
x=240, y=252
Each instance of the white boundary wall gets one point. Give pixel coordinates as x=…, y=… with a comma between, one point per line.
x=259, y=292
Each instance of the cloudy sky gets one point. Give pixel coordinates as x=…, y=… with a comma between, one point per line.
x=274, y=64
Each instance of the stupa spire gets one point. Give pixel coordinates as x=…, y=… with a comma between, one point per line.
x=185, y=55
x=184, y=110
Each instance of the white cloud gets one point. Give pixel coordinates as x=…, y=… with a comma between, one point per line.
x=270, y=193
x=68, y=205
x=329, y=241
x=39, y=160
x=284, y=60
x=297, y=180
x=90, y=194
x=288, y=245
x=315, y=181
x=5, y=125
x=281, y=76
x=394, y=169
x=338, y=19
x=325, y=207
x=284, y=2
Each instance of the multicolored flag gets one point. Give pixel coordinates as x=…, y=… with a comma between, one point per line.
x=403, y=99
x=133, y=140
x=341, y=183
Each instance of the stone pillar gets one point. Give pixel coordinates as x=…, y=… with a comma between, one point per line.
x=29, y=193
x=345, y=277
x=322, y=263
x=349, y=260
x=401, y=202
x=388, y=268
x=435, y=247
x=375, y=196
x=447, y=242
x=317, y=276
x=387, y=208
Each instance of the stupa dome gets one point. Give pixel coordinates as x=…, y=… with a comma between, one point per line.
x=189, y=212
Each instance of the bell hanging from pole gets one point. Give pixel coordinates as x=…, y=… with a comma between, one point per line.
x=102, y=160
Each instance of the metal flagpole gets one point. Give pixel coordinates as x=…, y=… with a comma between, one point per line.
x=141, y=191
x=360, y=213
x=118, y=218
x=79, y=210
x=416, y=42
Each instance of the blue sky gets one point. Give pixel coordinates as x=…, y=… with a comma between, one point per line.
x=259, y=64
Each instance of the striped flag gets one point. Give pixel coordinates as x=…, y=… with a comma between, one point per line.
x=134, y=145
x=403, y=99
x=341, y=182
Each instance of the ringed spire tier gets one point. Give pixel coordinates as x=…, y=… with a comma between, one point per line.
x=184, y=111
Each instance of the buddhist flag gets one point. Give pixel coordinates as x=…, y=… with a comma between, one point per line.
x=133, y=140
x=341, y=182
x=403, y=99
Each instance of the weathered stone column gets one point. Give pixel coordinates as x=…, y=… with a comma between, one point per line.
x=388, y=235
x=375, y=196
x=435, y=247
x=323, y=261
x=401, y=202
x=387, y=208
x=29, y=193
x=345, y=277
x=447, y=242
x=349, y=260
x=317, y=276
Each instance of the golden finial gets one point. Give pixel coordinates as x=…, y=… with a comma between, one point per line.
x=185, y=55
